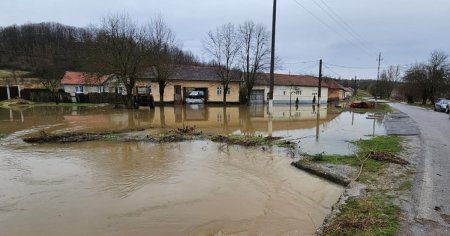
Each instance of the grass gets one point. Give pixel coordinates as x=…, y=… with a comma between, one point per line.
x=8, y=73
x=405, y=185
x=374, y=215
x=249, y=140
x=388, y=144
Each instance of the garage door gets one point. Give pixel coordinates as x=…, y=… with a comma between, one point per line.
x=257, y=96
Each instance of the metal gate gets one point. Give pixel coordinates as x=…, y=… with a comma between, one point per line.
x=257, y=97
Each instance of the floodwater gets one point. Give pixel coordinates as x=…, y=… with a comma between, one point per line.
x=188, y=188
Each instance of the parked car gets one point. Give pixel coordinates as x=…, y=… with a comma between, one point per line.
x=195, y=97
x=441, y=105
x=447, y=110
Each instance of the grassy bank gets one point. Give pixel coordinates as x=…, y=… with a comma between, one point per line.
x=375, y=212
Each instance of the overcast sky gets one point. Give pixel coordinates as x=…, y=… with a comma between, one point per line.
x=404, y=31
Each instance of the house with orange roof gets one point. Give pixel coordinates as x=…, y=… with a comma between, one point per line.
x=83, y=83
x=288, y=89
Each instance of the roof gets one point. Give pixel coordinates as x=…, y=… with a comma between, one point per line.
x=197, y=73
x=290, y=80
x=333, y=84
x=81, y=78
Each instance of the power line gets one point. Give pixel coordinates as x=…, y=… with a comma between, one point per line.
x=329, y=27
x=352, y=67
x=301, y=62
x=332, y=71
x=346, y=26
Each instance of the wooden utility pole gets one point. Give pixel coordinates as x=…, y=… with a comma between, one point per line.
x=378, y=75
x=319, y=94
x=272, y=56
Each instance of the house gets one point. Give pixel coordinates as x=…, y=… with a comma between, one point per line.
x=84, y=83
x=187, y=78
x=336, y=91
x=288, y=89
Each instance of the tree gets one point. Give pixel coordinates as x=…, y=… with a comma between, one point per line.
x=121, y=48
x=389, y=78
x=254, y=53
x=223, y=46
x=163, y=53
x=428, y=80
x=416, y=83
x=438, y=72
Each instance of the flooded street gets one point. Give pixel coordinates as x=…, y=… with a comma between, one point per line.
x=187, y=188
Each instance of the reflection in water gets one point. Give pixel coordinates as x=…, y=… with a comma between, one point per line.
x=107, y=188
x=331, y=130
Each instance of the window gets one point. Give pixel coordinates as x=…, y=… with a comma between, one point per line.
x=219, y=90
x=298, y=92
x=314, y=94
x=119, y=90
x=228, y=91
x=101, y=89
x=284, y=92
x=79, y=89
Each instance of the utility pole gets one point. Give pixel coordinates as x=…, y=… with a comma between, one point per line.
x=319, y=94
x=378, y=76
x=355, y=91
x=272, y=57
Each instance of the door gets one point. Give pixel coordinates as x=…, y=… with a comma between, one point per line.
x=177, y=99
x=257, y=97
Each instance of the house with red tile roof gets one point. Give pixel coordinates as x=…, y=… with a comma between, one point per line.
x=336, y=91
x=84, y=83
x=289, y=89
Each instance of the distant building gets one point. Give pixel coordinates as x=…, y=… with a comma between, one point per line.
x=289, y=88
x=336, y=91
x=186, y=78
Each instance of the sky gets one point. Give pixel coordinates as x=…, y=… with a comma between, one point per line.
x=347, y=35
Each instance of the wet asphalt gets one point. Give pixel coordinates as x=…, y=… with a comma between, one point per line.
x=431, y=191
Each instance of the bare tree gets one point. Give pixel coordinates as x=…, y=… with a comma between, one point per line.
x=389, y=79
x=438, y=72
x=254, y=53
x=163, y=52
x=121, y=48
x=223, y=46
x=416, y=84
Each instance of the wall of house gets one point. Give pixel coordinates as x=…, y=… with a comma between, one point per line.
x=335, y=94
x=305, y=95
x=212, y=86
x=87, y=89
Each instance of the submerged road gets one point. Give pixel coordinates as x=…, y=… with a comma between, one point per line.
x=431, y=192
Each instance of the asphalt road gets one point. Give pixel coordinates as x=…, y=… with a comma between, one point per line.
x=431, y=192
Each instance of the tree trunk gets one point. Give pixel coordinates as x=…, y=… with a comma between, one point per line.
x=249, y=94
x=225, y=95
x=161, y=93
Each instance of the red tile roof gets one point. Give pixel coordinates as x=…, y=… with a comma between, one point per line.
x=290, y=80
x=81, y=78
x=333, y=84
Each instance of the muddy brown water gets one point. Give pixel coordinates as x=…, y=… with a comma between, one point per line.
x=188, y=188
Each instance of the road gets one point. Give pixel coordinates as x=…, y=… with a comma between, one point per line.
x=431, y=191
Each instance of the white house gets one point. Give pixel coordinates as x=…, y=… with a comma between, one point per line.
x=288, y=89
x=84, y=83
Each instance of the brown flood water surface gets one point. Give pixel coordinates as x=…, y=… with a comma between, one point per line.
x=190, y=188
